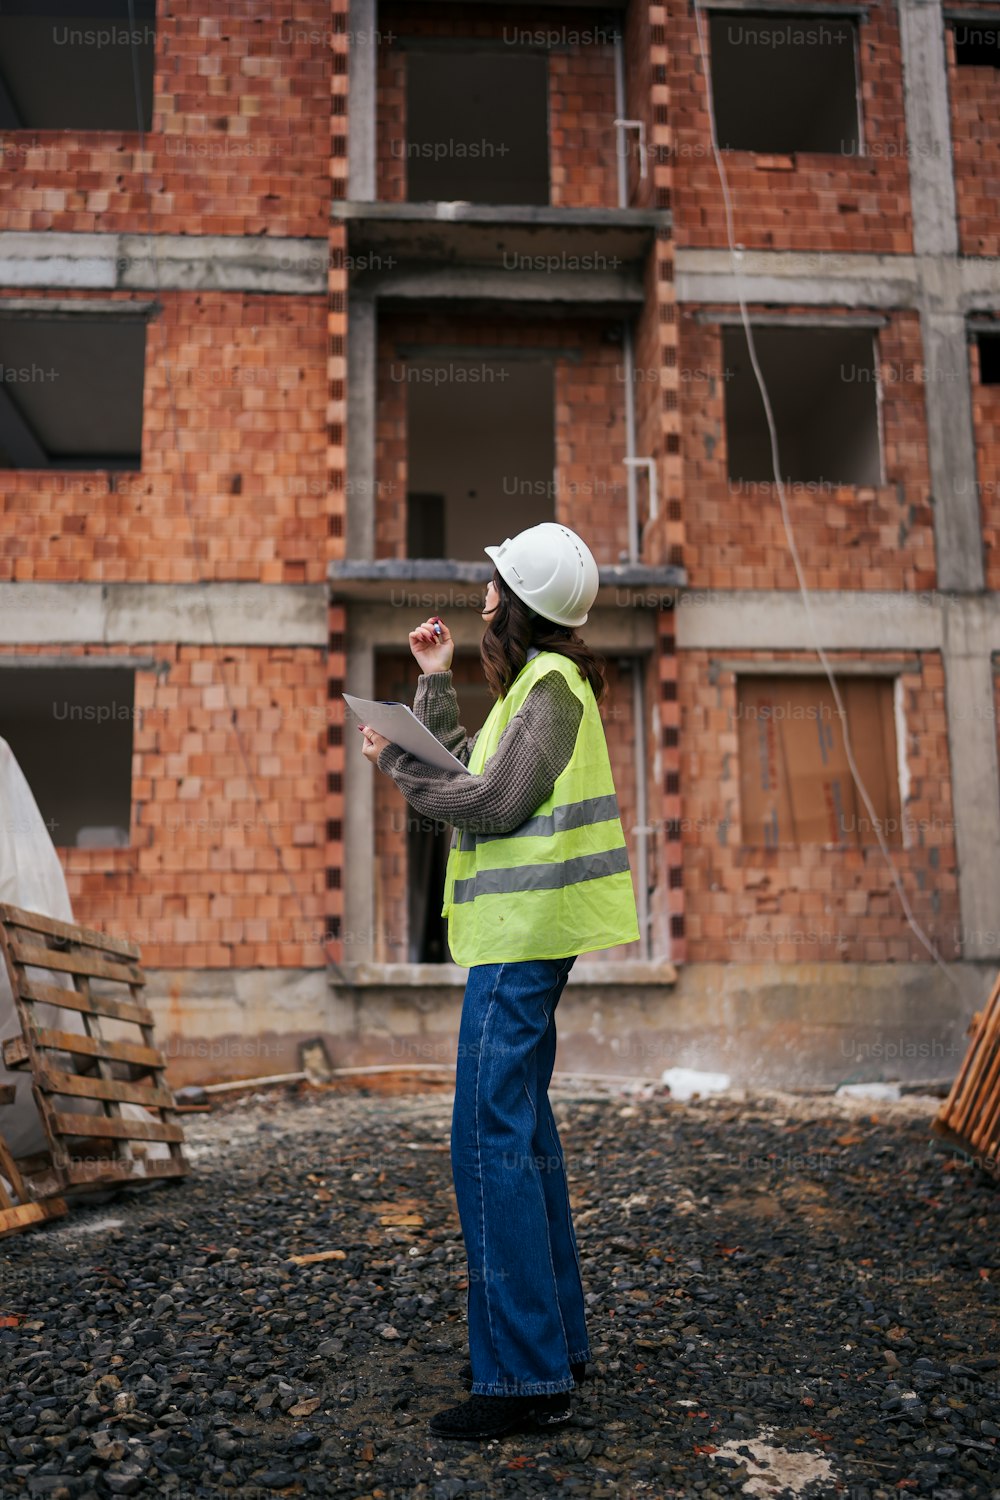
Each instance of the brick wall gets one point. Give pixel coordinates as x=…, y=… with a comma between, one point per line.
x=848, y=537
x=811, y=904
x=200, y=885
x=235, y=391
x=582, y=161
x=640, y=73
x=812, y=202
x=240, y=142
x=975, y=134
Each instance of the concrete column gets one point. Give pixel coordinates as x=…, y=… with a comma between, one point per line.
x=362, y=60
x=359, y=812
x=958, y=540
x=952, y=454
x=928, y=127
x=361, y=384
x=975, y=773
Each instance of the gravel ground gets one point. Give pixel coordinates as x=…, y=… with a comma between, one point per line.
x=788, y=1297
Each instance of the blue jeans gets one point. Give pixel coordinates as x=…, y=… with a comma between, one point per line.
x=526, y=1314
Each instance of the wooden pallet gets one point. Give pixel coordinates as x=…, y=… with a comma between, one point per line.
x=87, y=1150
x=970, y=1116
x=18, y=1210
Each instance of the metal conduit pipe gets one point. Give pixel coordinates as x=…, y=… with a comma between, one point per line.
x=641, y=828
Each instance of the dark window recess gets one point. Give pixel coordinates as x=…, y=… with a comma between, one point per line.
x=427, y=845
x=71, y=64
x=425, y=525
x=481, y=445
x=476, y=127
x=784, y=83
x=71, y=731
x=71, y=391
x=989, y=357
x=976, y=45
x=796, y=785
x=823, y=387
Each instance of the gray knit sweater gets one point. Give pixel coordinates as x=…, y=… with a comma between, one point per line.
x=533, y=750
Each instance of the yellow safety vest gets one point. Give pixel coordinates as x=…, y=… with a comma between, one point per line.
x=560, y=883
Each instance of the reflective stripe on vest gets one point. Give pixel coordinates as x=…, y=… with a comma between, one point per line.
x=559, y=884
x=541, y=877
x=570, y=815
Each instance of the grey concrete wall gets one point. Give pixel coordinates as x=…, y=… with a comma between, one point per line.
x=778, y=1025
x=164, y=262
x=234, y=614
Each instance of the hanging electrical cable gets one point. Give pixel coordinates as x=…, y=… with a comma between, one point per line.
x=736, y=254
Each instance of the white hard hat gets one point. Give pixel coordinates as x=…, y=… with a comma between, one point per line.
x=551, y=569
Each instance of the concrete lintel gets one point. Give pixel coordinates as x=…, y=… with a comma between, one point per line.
x=223, y=263
x=167, y=262
x=845, y=621
x=755, y=667
x=419, y=976
x=502, y=214
x=794, y=276
x=385, y=626
x=233, y=614
x=947, y=282
x=794, y=319
x=452, y=570
x=59, y=260
x=461, y=283
x=812, y=8
x=960, y=283
x=61, y=661
x=74, y=308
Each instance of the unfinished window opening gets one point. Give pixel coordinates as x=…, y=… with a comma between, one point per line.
x=784, y=83
x=976, y=45
x=988, y=345
x=71, y=67
x=71, y=390
x=481, y=451
x=823, y=387
x=407, y=841
x=796, y=786
x=71, y=731
x=476, y=127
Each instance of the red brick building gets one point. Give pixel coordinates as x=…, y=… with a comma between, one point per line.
x=340, y=296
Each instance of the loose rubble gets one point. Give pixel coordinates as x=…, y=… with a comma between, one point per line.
x=788, y=1296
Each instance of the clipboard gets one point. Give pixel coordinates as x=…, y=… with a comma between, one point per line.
x=400, y=724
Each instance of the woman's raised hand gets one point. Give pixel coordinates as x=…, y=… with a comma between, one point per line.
x=432, y=651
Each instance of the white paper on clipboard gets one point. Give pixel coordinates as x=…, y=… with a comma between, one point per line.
x=400, y=725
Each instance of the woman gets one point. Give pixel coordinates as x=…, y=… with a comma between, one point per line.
x=537, y=874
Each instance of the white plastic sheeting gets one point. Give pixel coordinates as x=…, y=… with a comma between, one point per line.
x=31, y=877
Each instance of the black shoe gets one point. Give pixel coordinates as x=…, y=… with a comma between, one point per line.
x=578, y=1372
x=494, y=1416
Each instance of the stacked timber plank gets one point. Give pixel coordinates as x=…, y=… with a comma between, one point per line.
x=97, y=1075
x=970, y=1116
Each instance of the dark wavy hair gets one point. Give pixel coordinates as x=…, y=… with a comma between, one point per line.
x=514, y=627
